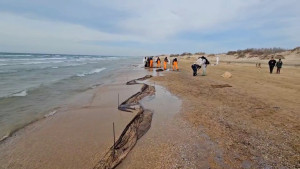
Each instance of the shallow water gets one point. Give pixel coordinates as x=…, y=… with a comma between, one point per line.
x=34, y=85
x=171, y=142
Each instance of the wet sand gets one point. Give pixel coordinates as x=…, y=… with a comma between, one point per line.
x=171, y=142
x=79, y=133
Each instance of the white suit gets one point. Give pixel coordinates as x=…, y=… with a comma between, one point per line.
x=202, y=63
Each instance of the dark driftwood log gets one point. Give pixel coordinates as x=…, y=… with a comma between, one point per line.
x=134, y=130
x=220, y=86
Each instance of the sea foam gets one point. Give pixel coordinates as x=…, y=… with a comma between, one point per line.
x=51, y=113
x=20, y=94
x=91, y=72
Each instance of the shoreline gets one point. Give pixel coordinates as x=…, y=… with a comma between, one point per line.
x=65, y=103
x=194, y=124
x=17, y=130
x=45, y=128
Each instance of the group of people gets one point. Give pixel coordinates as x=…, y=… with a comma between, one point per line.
x=273, y=63
x=202, y=62
x=148, y=62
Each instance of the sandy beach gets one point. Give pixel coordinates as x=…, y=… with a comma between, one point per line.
x=250, y=120
x=114, y=84
x=78, y=134
x=254, y=123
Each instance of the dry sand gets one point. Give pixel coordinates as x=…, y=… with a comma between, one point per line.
x=253, y=124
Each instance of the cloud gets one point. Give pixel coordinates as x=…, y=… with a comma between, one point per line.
x=23, y=34
x=144, y=27
x=160, y=20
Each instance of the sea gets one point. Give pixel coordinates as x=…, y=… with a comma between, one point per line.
x=32, y=86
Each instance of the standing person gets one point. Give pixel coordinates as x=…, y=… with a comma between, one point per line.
x=203, y=62
x=279, y=65
x=151, y=62
x=272, y=63
x=165, y=63
x=148, y=62
x=158, y=62
x=217, y=60
x=145, y=62
x=175, y=64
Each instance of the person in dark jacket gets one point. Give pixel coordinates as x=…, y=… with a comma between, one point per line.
x=195, y=67
x=272, y=63
x=279, y=65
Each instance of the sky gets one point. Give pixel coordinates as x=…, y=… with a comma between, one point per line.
x=147, y=27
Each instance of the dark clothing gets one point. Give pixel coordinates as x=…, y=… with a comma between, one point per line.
x=195, y=67
x=174, y=60
x=279, y=64
x=272, y=63
x=166, y=59
x=271, y=68
x=158, y=59
x=148, y=62
x=278, y=70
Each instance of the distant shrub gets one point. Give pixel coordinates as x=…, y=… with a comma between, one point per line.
x=262, y=53
x=241, y=55
x=279, y=57
x=174, y=55
x=231, y=53
x=297, y=50
x=186, y=54
x=200, y=53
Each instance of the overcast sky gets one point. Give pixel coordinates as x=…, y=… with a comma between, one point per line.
x=140, y=27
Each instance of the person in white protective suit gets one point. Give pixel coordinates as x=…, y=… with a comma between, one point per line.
x=203, y=62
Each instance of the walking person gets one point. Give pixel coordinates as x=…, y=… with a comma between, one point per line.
x=279, y=65
x=272, y=63
x=217, y=60
x=165, y=63
x=175, y=64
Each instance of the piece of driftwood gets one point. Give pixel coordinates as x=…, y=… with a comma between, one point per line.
x=134, y=130
x=220, y=86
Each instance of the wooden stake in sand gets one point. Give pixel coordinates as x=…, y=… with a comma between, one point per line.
x=114, y=139
x=118, y=100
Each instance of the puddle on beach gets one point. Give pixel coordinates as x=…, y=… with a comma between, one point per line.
x=154, y=73
x=162, y=99
x=171, y=142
